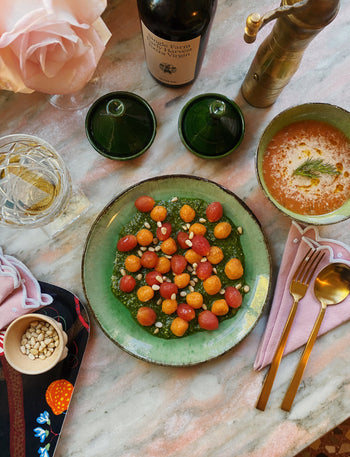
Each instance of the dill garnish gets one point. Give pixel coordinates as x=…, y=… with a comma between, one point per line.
x=312, y=168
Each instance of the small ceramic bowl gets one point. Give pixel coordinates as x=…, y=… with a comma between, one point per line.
x=22, y=362
x=331, y=114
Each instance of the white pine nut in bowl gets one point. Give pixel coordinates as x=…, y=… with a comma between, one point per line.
x=35, y=343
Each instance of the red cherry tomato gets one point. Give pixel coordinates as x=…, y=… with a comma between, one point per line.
x=127, y=243
x=146, y=316
x=144, y=203
x=149, y=259
x=151, y=278
x=204, y=270
x=214, y=211
x=208, y=321
x=200, y=245
x=127, y=283
x=186, y=312
x=163, y=232
x=233, y=297
x=178, y=263
x=182, y=237
x=167, y=289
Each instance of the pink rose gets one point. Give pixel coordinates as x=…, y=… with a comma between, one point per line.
x=50, y=46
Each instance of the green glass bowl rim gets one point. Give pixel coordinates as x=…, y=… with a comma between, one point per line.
x=116, y=94
x=221, y=97
x=311, y=107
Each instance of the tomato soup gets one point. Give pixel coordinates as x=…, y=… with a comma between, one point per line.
x=293, y=146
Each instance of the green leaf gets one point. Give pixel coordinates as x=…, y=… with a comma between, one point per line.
x=312, y=168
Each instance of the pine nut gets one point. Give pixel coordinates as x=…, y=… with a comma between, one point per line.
x=39, y=340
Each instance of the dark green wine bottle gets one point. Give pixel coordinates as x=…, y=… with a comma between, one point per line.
x=175, y=34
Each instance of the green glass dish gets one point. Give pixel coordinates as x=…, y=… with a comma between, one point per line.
x=115, y=319
x=211, y=126
x=331, y=114
x=120, y=125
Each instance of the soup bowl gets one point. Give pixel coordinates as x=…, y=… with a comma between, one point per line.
x=334, y=119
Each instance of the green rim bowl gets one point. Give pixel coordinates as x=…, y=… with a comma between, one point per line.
x=331, y=114
x=114, y=318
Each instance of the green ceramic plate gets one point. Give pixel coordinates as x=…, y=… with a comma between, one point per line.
x=114, y=318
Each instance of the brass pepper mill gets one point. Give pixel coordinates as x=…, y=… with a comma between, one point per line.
x=279, y=56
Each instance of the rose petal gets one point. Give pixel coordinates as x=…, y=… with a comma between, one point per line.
x=52, y=46
x=74, y=74
x=85, y=11
x=10, y=78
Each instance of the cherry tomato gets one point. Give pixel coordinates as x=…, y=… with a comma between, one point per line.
x=149, y=259
x=179, y=326
x=200, y=245
x=167, y=289
x=204, y=270
x=214, y=211
x=163, y=232
x=178, y=263
x=233, y=297
x=151, y=278
x=208, y=320
x=127, y=283
x=182, y=237
x=144, y=203
x=186, y=312
x=127, y=243
x=146, y=316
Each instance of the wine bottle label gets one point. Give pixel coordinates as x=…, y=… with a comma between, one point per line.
x=171, y=62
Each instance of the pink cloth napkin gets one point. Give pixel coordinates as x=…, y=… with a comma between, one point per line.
x=20, y=292
x=298, y=243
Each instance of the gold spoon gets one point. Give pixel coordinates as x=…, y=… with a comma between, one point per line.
x=332, y=286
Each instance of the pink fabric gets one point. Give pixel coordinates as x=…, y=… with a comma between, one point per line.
x=20, y=292
x=298, y=242
x=52, y=46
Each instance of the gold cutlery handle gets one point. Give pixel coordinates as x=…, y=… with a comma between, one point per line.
x=293, y=386
x=266, y=389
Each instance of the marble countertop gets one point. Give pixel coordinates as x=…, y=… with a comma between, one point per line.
x=129, y=408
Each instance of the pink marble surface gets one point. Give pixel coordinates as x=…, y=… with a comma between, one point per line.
x=125, y=407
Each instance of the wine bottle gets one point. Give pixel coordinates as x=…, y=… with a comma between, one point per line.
x=175, y=34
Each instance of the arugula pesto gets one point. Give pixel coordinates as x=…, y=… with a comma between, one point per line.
x=231, y=247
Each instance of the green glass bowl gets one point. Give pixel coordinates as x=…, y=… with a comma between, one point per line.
x=120, y=125
x=331, y=114
x=211, y=126
x=115, y=319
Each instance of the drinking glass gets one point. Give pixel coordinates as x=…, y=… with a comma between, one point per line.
x=79, y=99
x=35, y=185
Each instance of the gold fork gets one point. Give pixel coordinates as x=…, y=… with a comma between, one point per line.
x=297, y=289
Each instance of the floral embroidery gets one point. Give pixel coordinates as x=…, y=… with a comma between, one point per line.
x=58, y=395
x=43, y=433
x=44, y=418
x=43, y=451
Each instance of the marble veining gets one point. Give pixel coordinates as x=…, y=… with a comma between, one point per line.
x=125, y=407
